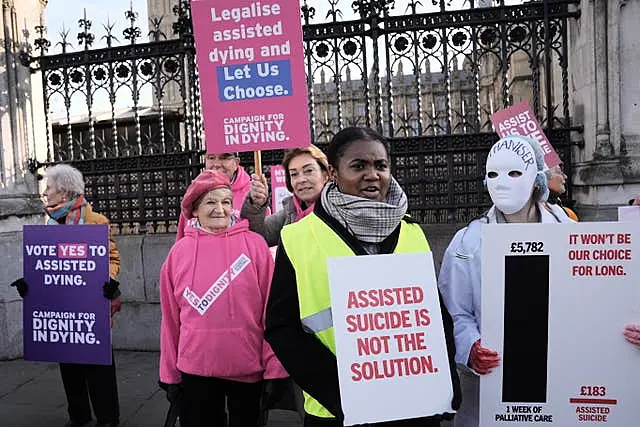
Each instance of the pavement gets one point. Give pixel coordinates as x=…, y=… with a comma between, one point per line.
x=31, y=394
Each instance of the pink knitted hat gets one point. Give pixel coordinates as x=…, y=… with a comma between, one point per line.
x=207, y=180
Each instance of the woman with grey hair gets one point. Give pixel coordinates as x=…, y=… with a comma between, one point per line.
x=517, y=183
x=66, y=204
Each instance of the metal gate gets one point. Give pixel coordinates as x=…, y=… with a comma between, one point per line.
x=427, y=74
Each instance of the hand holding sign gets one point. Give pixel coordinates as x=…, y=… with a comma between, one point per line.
x=632, y=333
x=258, y=192
x=482, y=360
x=111, y=289
x=21, y=286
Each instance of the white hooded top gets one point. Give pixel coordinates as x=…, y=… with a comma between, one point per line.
x=460, y=276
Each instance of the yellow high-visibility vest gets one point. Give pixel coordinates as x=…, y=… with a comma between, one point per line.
x=308, y=244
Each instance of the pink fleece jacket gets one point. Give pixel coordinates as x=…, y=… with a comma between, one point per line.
x=212, y=327
x=240, y=188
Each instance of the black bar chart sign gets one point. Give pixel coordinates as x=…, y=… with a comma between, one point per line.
x=555, y=299
x=526, y=328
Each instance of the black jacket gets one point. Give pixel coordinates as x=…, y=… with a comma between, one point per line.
x=312, y=365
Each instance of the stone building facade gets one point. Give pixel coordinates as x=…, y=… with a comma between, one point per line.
x=21, y=138
x=605, y=58
x=434, y=96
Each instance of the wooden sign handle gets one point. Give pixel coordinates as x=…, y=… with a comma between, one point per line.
x=257, y=162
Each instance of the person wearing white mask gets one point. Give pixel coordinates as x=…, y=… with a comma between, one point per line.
x=517, y=183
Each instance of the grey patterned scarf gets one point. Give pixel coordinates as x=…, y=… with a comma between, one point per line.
x=369, y=221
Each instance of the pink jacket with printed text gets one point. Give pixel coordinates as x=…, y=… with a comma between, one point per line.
x=239, y=187
x=211, y=326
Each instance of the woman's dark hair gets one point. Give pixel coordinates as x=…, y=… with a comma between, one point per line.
x=343, y=139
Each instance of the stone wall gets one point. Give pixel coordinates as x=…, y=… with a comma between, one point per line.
x=20, y=112
x=137, y=326
x=22, y=137
x=10, y=302
x=604, y=59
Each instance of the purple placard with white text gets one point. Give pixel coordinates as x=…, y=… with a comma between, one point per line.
x=66, y=318
x=252, y=74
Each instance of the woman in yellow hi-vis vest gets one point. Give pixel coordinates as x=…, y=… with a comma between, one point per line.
x=360, y=212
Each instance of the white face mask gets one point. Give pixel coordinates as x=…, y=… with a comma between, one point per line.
x=511, y=173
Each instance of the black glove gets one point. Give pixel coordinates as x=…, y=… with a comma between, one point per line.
x=21, y=286
x=174, y=391
x=111, y=289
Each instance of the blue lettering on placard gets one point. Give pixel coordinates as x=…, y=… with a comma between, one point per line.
x=244, y=82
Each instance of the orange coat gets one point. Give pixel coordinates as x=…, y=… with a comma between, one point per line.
x=91, y=217
x=571, y=214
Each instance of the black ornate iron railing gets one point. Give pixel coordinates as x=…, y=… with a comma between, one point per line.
x=137, y=156
x=428, y=77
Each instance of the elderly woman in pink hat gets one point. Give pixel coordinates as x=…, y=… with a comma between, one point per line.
x=213, y=292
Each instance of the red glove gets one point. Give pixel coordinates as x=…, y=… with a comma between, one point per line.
x=632, y=333
x=482, y=360
x=116, y=304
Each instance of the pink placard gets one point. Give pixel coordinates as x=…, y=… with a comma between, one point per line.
x=520, y=120
x=252, y=77
x=278, y=187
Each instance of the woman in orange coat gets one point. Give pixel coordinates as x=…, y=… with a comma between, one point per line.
x=557, y=187
x=86, y=386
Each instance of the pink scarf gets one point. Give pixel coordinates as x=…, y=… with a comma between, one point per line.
x=300, y=213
